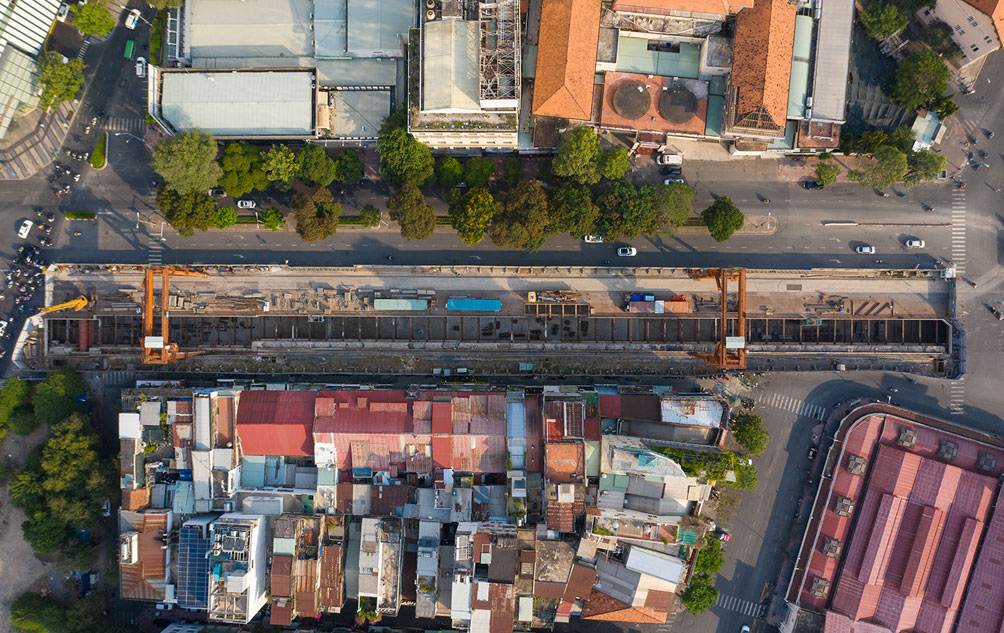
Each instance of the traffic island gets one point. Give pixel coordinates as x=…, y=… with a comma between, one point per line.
x=98, y=156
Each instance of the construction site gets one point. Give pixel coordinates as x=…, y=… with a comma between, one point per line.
x=722, y=317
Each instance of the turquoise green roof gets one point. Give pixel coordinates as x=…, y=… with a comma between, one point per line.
x=798, y=86
x=713, y=123
x=633, y=56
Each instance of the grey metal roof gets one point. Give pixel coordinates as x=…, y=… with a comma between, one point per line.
x=26, y=23
x=330, y=28
x=251, y=28
x=833, y=52
x=376, y=26
x=240, y=103
x=450, y=66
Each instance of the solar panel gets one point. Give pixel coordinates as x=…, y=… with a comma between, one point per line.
x=193, y=569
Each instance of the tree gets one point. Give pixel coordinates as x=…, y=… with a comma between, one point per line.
x=826, y=173
x=627, y=209
x=45, y=532
x=471, y=213
x=723, y=219
x=225, y=217
x=577, y=156
x=870, y=141
x=316, y=169
x=23, y=421
x=675, y=203
x=13, y=394
x=449, y=171
x=614, y=164
x=478, y=171
x=573, y=210
x=522, y=217
x=710, y=557
x=402, y=157
x=92, y=18
x=241, y=169
x=408, y=208
x=888, y=166
x=34, y=613
x=923, y=165
x=187, y=212
x=746, y=478
x=349, y=168
x=700, y=594
x=936, y=34
x=85, y=615
x=26, y=492
x=920, y=79
x=901, y=138
x=370, y=216
x=54, y=397
x=281, y=166
x=165, y=4
x=882, y=20
x=512, y=171
x=944, y=106
x=187, y=161
x=316, y=214
x=750, y=432
x=272, y=218
x=60, y=81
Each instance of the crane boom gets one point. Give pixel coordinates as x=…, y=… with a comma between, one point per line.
x=77, y=305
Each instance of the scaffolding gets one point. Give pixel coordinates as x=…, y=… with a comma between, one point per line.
x=499, y=50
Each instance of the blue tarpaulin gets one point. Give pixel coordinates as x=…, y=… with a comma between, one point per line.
x=474, y=305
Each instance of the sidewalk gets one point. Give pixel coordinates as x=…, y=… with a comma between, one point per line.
x=38, y=149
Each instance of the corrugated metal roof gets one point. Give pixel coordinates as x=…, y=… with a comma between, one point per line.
x=276, y=423
x=450, y=66
x=282, y=569
x=240, y=103
x=645, y=561
x=442, y=418
x=146, y=578
x=829, y=82
x=610, y=405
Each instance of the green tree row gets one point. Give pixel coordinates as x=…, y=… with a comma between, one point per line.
x=892, y=158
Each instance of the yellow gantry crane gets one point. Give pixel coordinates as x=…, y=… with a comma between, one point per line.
x=77, y=305
x=158, y=350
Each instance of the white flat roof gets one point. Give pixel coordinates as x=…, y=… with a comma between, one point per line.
x=655, y=564
x=705, y=412
x=833, y=55
x=129, y=426
x=251, y=28
x=240, y=103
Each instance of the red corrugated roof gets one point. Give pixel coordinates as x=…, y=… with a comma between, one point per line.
x=918, y=566
x=552, y=590
x=641, y=407
x=442, y=418
x=580, y=582
x=364, y=411
x=282, y=569
x=610, y=406
x=442, y=452
x=276, y=423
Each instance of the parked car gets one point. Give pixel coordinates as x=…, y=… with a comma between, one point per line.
x=141, y=67
x=592, y=239
x=246, y=204
x=25, y=229
x=64, y=10
x=218, y=191
x=675, y=171
x=915, y=244
x=132, y=19
x=627, y=251
x=669, y=159
x=865, y=249
x=812, y=185
x=672, y=180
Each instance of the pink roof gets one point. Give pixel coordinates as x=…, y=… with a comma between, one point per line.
x=477, y=453
x=983, y=609
x=364, y=411
x=442, y=452
x=442, y=418
x=276, y=423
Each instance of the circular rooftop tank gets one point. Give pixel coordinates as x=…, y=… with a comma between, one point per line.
x=632, y=100
x=678, y=105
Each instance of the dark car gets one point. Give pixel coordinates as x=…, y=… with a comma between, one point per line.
x=675, y=171
x=812, y=184
x=26, y=254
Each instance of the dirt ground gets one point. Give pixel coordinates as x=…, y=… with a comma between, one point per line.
x=20, y=570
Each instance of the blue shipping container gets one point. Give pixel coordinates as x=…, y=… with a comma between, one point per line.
x=474, y=305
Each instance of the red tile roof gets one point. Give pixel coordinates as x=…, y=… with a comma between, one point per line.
x=660, y=600
x=566, y=58
x=145, y=579
x=276, y=423
x=282, y=569
x=135, y=499
x=761, y=72
x=565, y=463
x=563, y=419
x=600, y=606
x=983, y=609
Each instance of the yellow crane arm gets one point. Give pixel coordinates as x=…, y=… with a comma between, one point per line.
x=77, y=304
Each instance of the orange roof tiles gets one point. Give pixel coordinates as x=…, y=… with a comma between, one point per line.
x=665, y=7
x=565, y=463
x=566, y=58
x=135, y=499
x=761, y=72
x=605, y=608
x=146, y=578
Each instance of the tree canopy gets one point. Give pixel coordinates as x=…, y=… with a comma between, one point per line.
x=280, y=165
x=614, y=164
x=449, y=171
x=577, y=156
x=349, y=168
x=920, y=79
x=750, y=432
x=225, y=217
x=523, y=217
x=574, y=210
x=700, y=595
x=723, y=218
x=710, y=557
x=512, y=171
x=60, y=81
x=13, y=396
x=923, y=165
x=187, y=161
x=402, y=157
x=675, y=203
x=54, y=398
x=316, y=169
x=478, y=171
x=471, y=214
x=826, y=173
x=413, y=214
x=187, y=212
x=882, y=20
x=627, y=209
x=887, y=167
x=165, y=4
x=242, y=170
x=272, y=218
x=92, y=18
x=34, y=613
x=316, y=214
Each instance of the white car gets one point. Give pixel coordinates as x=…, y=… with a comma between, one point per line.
x=592, y=239
x=865, y=249
x=745, y=629
x=64, y=10
x=627, y=251
x=132, y=19
x=915, y=244
x=246, y=204
x=25, y=229
x=672, y=180
x=141, y=67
